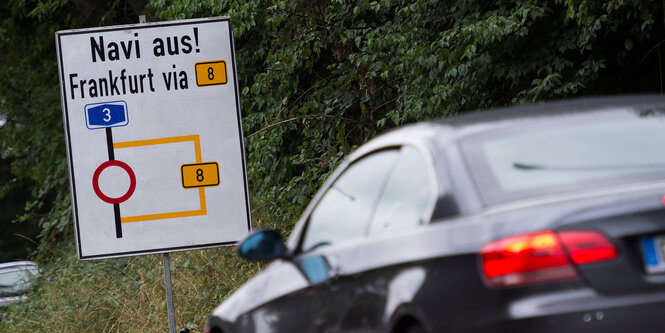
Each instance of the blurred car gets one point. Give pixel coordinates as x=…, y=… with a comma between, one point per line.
x=15, y=278
x=548, y=217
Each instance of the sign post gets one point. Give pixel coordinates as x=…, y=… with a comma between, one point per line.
x=154, y=138
x=169, y=293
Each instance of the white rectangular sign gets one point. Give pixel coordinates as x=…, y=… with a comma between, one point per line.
x=154, y=138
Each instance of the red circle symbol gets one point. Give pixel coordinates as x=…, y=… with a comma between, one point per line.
x=132, y=181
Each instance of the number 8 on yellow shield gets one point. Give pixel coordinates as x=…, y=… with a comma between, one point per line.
x=200, y=174
x=211, y=73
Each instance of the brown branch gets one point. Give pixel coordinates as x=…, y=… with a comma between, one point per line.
x=296, y=118
x=27, y=238
x=657, y=46
x=384, y=104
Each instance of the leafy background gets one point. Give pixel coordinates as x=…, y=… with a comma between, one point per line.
x=318, y=78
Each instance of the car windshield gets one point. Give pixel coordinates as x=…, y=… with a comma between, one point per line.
x=567, y=153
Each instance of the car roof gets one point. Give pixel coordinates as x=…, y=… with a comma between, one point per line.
x=451, y=129
x=439, y=134
x=553, y=108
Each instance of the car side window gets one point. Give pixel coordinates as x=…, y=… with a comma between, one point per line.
x=407, y=198
x=344, y=211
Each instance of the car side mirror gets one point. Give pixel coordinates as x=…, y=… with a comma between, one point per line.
x=263, y=245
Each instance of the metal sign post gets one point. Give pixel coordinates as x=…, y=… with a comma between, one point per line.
x=169, y=292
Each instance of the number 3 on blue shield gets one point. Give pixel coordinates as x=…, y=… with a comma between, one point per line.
x=107, y=114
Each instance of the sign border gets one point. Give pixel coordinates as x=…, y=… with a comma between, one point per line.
x=65, y=115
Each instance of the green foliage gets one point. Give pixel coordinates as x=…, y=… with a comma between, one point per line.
x=33, y=135
x=317, y=78
x=17, y=240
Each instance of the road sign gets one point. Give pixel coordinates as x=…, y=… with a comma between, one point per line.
x=154, y=138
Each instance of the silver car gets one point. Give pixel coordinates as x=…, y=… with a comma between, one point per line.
x=15, y=278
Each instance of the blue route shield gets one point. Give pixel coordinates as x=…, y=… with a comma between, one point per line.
x=110, y=114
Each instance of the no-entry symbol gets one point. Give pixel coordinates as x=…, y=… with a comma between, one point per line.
x=132, y=182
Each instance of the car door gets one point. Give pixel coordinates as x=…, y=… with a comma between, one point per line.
x=351, y=300
x=381, y=277
x=338, y=221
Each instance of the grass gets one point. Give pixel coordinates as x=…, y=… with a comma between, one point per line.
x=126, y=294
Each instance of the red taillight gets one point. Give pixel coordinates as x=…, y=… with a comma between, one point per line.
x=587, y=246
x=541, y=256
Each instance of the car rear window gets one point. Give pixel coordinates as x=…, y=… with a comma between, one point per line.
x=566, y=153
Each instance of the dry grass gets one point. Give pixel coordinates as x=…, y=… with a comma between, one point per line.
x=127, y=294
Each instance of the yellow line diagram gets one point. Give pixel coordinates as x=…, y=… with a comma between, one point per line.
x=202, y=193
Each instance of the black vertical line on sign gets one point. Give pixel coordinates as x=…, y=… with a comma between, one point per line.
x=116, y=206
x=109, y=143
x=118, y=226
